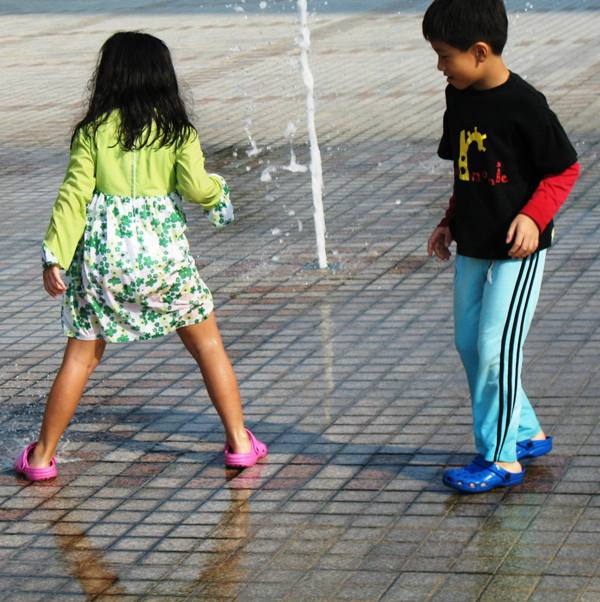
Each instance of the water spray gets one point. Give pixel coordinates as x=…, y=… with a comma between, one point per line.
x=316, y=168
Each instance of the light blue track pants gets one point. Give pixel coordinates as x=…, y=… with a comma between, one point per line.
x=494, y=303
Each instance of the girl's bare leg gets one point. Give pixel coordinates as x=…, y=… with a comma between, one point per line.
x=79, y=361
x=204, y=342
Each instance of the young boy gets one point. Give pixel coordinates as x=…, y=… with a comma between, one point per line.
x=514, y=168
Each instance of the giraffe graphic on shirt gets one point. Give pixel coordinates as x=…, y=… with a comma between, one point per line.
x=466, y=139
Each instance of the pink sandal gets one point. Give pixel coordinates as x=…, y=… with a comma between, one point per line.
x=34, y=474
x=259, y=450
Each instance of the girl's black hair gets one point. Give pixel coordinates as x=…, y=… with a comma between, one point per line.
x=462, y=23
x=135, y=75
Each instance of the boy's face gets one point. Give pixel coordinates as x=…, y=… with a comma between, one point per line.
x=459, y=66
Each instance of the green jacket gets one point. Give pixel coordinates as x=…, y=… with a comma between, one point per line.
x=101, y=165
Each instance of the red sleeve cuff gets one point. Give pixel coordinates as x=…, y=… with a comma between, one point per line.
x=549, y=196
x=445, y=222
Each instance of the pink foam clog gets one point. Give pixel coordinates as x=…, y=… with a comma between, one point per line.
x=259, y=450
x=34, y=474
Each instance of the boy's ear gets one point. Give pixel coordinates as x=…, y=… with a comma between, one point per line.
x=481, y=51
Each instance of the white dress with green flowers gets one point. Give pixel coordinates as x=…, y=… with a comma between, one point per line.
x=131, y=274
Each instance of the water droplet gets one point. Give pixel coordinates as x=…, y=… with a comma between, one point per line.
x=266, y=176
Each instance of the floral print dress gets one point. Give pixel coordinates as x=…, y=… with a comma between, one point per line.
x=132, y=276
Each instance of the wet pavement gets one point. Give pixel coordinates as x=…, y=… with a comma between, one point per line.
x=349, y=374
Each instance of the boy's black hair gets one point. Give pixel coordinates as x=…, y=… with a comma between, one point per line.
x=462, y=23
x=135, y=76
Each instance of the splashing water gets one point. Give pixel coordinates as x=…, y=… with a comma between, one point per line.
x=293, y=166
x=254, y=150
x=267, y=174
x=290, y=131
x=316, y=168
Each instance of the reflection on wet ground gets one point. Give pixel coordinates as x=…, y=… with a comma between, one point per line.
x=224, y=570
x=310, y=527
x=84, y=562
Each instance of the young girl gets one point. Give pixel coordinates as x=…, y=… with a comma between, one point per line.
x=118, y=230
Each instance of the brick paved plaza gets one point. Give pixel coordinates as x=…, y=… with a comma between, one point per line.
x=349, y=374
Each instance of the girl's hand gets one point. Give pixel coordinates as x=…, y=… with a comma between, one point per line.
x=221, y=214
x=525, y=236
x=53, y=282
x=439, y=243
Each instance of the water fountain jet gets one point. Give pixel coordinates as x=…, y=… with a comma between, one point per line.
x=316, y=168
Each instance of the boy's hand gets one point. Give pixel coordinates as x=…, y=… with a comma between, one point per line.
x=438, y=243
x=525, y=236
x=53, y=282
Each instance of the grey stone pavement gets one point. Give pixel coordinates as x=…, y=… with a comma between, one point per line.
x=349, y=374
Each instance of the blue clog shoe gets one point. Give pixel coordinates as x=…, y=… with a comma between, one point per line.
x=532, y=448
x=481, y=476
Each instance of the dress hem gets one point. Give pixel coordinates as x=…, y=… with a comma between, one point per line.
x=147, y=337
